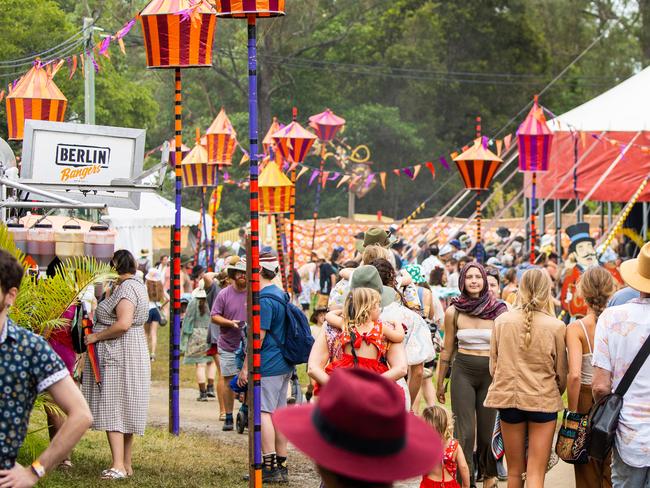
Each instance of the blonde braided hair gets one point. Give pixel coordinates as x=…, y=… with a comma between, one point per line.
x=596, y=286
x=534, y=295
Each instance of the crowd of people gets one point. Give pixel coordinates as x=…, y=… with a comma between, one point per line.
x=399, y=327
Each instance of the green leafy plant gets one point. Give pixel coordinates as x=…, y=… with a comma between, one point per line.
x=41, y=302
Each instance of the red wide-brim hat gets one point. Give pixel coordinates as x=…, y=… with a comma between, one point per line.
x=421, y=452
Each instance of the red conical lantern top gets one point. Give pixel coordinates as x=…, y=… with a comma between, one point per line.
x=534, y=138
x=326, y=125
x=241, y=9
x=293, y=142
x=477, y=166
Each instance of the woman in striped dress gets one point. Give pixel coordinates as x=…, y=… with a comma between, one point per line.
x=119, y=406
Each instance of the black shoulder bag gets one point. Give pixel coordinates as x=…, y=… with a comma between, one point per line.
x=604, y=415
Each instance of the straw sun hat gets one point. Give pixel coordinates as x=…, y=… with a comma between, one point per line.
x=636, y=272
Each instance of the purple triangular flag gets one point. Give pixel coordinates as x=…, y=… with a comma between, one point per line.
x=408, y=172
x=444, y=163
x=314, y=175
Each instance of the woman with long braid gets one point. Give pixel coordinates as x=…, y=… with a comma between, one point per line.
x=596, y=286
x=528, y=363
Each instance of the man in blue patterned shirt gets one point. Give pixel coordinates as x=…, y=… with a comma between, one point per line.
x=29, y=366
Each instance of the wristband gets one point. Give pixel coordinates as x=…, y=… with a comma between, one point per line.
x=38, y=469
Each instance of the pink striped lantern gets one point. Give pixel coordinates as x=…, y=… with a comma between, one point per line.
x=326, y=124
x=534, y=139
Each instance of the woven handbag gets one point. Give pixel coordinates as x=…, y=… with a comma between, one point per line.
x=571, y=445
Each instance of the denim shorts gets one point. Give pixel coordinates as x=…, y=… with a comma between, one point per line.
x=154, y=315
x=516, y=416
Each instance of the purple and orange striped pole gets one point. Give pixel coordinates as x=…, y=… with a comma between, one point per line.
x=254, y=346
x=175, y=339
x=279, y=228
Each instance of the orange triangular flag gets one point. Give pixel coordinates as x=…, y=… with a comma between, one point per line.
x=382, y=178
x=57, y=67
x=244, y=159
x=507, y=140
x=343, y=180
x=303, y=170
x=292, y=167
x=73, y=69
x=83, y=65
x=583, y=139
x=454, y=155
x=499, y=146
x=324, y=177
x=396, y=171
x=120, y=42
x=416, y=170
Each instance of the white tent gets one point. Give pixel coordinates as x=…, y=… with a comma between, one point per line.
x=624, y=108
x=135, y=228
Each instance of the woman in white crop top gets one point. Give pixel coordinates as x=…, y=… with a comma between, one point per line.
x=596, y=286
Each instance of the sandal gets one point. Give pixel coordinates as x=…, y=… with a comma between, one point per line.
x=222, y=417
x=112, y=474
x=65, y=465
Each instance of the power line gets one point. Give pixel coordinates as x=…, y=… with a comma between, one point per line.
x=29, y=59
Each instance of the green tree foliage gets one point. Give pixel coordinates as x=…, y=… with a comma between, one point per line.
x=410, y=76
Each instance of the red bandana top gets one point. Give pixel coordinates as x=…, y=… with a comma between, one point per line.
x=374, y=337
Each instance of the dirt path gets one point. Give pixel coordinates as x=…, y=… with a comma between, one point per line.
x=202, y=417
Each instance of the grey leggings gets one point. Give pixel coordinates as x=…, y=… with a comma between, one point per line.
x=470, y=380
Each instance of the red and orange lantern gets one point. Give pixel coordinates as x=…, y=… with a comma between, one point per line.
x=294, y=142
x=221, y=140
x=178, y=33
x=534, y=139
x=34, y=97
x=268, y=143
x=198, y=171
x=241, y=9
x=275, y=190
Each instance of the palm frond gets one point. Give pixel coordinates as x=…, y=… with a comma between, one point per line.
x=40, y=303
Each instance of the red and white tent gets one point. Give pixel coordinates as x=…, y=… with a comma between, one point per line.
x=601, y=149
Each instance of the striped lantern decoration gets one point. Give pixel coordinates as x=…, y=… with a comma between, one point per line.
x=268, y=143
x=275, y=190
x=241, y=9
x=294, y=142
x=534, y=138
x=172, y=152
x=326, y=124
x=34, y=97
x=221, y=140
x=477, y=166
x=197, y=170
x=178, y=33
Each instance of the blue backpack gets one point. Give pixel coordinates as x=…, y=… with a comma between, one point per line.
x=298, y=340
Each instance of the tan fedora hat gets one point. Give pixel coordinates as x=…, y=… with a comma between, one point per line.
x=636, y=272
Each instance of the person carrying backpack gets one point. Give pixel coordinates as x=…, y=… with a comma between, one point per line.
x=283, y=346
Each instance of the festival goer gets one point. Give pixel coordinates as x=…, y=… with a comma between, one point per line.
x=30, y=366
x=528, y=364
x=623, y=296
x=165, y=272
x=275, y=370
x=157, y=295
x=194, y=345
x=469, y=323
x=359, y=443
x=229, y=312
x=620, y=333
x=452, y=273
x=511, y=286
x=595, y=287
x=144, y=263
x=309, y=277
x=453, y=460
x=120, y=406
x=432, y=262
x=494, y=286
x=327, y=279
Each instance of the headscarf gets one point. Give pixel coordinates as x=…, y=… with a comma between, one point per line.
x=486, y=306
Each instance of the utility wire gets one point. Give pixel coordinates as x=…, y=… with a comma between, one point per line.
x=29, y=59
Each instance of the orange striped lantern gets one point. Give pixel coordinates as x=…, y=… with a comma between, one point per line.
x=477, y=166
x=178, y=33
x=268, y=143
x=221, y=139
x=35, y=97
x=172, y=151
x=275, y=190
x=294, y=142
x=197, y=170
x=240, y=9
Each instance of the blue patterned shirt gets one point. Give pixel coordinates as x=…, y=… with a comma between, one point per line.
x=28, y=366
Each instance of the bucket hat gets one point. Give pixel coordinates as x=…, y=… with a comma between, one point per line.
x=636, y=272
x=415, y=272
x=235, y=263
x=368, y=437
x=368, y=277
x=269, y=261
x=199, y=292
x=378, y=237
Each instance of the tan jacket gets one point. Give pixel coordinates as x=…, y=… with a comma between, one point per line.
x=531, y=379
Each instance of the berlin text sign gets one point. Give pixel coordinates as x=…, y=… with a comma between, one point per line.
x=83, y=160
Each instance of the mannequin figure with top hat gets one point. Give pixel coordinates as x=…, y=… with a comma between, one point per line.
x=582, y=255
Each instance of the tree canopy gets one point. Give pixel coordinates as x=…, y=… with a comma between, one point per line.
x=410, y=77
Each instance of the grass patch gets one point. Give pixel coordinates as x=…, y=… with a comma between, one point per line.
x=161, y=460
x=160, y=367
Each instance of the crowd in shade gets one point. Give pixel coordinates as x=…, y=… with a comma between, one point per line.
x=457, y=363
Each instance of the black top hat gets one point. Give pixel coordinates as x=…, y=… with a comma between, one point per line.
x=578, y=233
x=503, y=232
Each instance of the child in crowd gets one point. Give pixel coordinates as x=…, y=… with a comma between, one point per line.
x=365, y=338
x=453, y=460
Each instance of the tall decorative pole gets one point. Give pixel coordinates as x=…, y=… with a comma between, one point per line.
x=534, y=138
x=477, y=166
x=169, y=30
x=250, y=10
